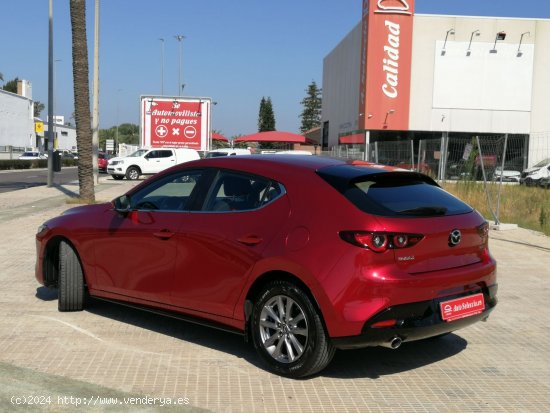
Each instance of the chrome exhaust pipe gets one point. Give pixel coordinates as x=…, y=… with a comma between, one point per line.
x=394, y=343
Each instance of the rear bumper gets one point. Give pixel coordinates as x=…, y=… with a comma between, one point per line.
x=415, y=321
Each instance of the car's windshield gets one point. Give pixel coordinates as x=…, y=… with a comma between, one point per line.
x=138, y=153
x=542, y=163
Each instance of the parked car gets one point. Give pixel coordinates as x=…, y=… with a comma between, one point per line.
x=227, y=152
x=32, y=155
x=506, y=174
x=532, y=176
x=301, y=255
x=149, y=162
x=70, y=155
x=102, y=161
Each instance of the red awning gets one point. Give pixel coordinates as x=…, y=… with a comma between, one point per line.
x=349, y=139
x=219, y=137
x=274, y=136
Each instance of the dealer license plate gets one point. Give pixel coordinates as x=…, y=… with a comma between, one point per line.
x=462, y=307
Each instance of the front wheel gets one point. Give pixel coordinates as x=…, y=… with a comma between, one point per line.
x=132, y=173
x=288, y=333
x=71, y=280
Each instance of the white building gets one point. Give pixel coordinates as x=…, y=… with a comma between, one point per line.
x=399, y=74
x=65, y=137
x=17, y=119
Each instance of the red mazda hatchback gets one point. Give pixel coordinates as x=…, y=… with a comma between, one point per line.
x=301, y=255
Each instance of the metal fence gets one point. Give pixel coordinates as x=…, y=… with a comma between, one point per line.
x=487, y=159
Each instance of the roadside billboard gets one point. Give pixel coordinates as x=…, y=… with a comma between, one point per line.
x=386, y=55
x=181, y=122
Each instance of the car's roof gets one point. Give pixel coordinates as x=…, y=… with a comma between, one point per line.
x=291, y=162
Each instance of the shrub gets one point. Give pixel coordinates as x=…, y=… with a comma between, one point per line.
x=22, y=164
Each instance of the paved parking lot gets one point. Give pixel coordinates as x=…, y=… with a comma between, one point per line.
x=142, y=361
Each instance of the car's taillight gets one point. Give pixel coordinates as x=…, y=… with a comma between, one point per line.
x=483, y=232
x=380, y=241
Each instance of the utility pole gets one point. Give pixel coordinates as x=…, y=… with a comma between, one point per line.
x=51, y=127
x=95, y=102
x=179, y=38
x=117, y=112
x=161, y=66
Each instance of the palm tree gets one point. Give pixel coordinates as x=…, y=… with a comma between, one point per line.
x=82, y=100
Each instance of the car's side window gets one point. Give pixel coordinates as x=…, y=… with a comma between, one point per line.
x=241, y=192
x=173, y=193
x=154, y=154
x=165, y=154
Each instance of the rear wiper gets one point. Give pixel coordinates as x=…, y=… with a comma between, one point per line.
x=424, y=211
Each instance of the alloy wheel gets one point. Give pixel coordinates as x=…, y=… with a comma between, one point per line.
x=283, y=329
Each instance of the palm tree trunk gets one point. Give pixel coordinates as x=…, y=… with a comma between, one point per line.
x=82, y=100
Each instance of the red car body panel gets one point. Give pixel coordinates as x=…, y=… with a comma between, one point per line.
x=205, y=263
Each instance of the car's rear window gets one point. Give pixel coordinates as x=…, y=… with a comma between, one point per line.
x=397, y=194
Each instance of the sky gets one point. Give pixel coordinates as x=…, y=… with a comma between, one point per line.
x=235, y=52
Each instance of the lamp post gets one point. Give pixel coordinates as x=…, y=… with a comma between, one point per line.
x=50, y=95
x=161, y=66
x=179, y=38
x=117, y=110
x=55, y=81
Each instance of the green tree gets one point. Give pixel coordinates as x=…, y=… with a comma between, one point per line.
x=127, y=133
x=82, y=100
x=38, y=108
x=266, y=117
x=311, y=115
x=1, y=77
x=11, y=85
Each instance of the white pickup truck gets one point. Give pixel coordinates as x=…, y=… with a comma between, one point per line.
x=149, y=161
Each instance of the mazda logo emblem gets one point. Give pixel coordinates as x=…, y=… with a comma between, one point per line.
x=454, y=238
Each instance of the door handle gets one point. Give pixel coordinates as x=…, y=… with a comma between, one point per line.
x=164, y=234
x=250, y=240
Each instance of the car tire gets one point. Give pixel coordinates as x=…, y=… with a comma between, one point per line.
x=71, y=280
x=289, y=348
x=117, y=177
x=132, y=173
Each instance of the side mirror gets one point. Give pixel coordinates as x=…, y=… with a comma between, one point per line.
x=122, y=205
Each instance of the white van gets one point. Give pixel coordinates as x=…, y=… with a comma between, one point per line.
x=227, y=152
x=149, y=161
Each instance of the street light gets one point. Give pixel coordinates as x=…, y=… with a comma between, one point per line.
x=161, y=66
x=179, y=38
x=50, y=94
x=117, y=111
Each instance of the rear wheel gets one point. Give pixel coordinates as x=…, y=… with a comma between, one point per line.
x=132, y=173
x=288, y=333
x=71, y=280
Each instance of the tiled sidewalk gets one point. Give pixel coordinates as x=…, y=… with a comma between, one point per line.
x=499, y=366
